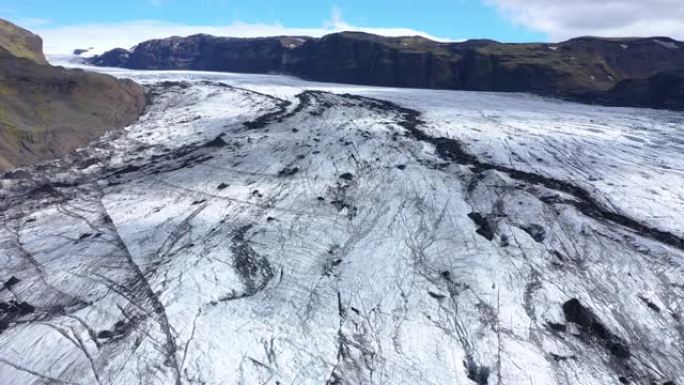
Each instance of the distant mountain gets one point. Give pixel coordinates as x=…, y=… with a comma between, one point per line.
x=579, y=68
x=662, y=90
x=47, y=111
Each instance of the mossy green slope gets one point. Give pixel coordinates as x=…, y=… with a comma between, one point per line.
x=21, y=43
x=47, y=111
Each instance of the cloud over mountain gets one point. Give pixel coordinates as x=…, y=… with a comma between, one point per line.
x=565, y=19
x=104, y=36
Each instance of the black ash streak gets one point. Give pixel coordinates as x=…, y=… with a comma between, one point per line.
x=452, y=150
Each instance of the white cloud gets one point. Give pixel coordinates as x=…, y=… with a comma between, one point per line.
x=62, y=40
x=563, y=19
x=335, y=18
x=32, y=22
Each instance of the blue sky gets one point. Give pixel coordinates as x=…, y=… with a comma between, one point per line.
x=69, y=24
x=455, y=19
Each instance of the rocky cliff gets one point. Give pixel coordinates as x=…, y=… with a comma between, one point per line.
x=21, y=43
x=662, y=90
x=576, y=68
x=47, y=111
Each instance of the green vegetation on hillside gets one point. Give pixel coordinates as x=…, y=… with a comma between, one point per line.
x=21, y=43
x=48, y=111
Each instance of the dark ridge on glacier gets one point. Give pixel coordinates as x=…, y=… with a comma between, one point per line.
x=452, y=150
x=311, y=257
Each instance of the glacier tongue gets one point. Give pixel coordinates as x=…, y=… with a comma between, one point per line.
x=264, y=230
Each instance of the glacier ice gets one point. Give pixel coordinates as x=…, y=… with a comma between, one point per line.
x=255, y=229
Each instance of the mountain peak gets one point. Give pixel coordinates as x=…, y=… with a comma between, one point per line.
x=21, y=43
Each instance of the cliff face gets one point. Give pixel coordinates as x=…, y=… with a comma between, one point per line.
x=21, y=43
x=205, y=52
x=581, y=64
x=367, y=59
x=662, y=90
x=48, y=111
x=570, y=68
x=631, y=58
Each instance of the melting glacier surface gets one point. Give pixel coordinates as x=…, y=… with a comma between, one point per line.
x=255, y=229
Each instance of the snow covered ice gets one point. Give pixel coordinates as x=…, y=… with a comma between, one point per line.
x=254, y=229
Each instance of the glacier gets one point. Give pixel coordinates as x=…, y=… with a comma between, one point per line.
x=261, y=229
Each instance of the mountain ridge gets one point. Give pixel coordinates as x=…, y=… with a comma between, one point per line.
x=584, y=69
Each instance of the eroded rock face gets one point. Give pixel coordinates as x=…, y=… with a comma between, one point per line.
x=574, y=68
x=206, y=52
x=48, y=111
x=662, y=90
x=115, y=58
x=21, y=43
x=268, y=230
x=631, y=57
x=367, y=59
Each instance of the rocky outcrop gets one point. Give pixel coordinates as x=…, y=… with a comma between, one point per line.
x=664, y=90
x=209, y=53
x=48, y=111
x=579, y=68
x=631, y=57
x=368, y=59
x=21, y=43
